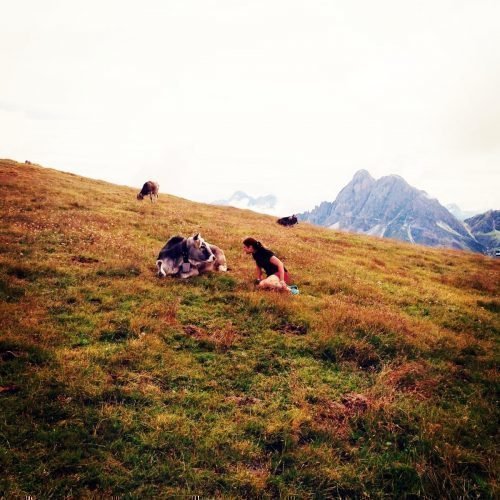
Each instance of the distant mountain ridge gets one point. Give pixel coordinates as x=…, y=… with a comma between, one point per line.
x=486, y=229
x=389, y=207
x=459, y=213
x=240, y=199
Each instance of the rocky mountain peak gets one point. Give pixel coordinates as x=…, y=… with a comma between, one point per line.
x=392, y=208
x=361, y=175
x=486, y=229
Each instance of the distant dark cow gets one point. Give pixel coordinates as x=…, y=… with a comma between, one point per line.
x=288, y=221
x=150, y=188
x=186, y=257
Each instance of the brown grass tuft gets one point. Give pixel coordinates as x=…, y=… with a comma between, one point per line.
x=414, y=377
x=221, y=338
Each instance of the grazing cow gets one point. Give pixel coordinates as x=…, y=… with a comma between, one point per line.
x=150, y=188
x=288, y=221
x=186, y=257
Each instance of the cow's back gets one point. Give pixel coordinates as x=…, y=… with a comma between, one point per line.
x=155, y=187
x=150, y=187
x=288, y=221
x=173, y=248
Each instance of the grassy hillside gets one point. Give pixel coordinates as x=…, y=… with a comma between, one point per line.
x=378, y=380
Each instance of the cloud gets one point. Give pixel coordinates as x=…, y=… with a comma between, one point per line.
x=284, y=97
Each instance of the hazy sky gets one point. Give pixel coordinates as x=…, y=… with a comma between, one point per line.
x=277, y=96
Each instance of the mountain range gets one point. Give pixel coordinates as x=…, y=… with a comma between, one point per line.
x=389, y=207
x=240, y=199
x=461, y=214
x=486, y=229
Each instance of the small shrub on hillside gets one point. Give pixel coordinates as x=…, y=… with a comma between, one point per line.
x=119, y=272
x=493, y=305
x=10, y=293
x=82, y=259
x=120, y=332
x=14, y=350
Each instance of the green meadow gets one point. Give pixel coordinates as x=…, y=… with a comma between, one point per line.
x=378, y=381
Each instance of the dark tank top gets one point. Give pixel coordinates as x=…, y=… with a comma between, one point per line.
x=262, y=258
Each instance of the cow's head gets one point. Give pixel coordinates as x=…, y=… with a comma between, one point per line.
x=199, y=250
x=140, y=196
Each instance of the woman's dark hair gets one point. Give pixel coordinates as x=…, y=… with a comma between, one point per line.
x=252, y=242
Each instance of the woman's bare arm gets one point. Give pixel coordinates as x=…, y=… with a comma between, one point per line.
x=280, y=266
x=258, y=272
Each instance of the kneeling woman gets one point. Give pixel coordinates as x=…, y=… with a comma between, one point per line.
x=277, y=275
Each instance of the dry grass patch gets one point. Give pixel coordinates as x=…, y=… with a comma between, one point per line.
x=221, y=339
x=414, y=377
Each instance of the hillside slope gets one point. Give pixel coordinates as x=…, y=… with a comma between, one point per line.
x=378, y=379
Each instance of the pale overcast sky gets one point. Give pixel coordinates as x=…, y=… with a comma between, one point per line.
x=289, y=97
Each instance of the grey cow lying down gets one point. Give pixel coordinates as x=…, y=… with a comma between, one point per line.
x=186, y=257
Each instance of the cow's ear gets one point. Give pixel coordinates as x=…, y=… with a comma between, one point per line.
x=196, y=236
x=197, y=240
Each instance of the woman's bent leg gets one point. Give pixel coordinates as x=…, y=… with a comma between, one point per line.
x=272, y=283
